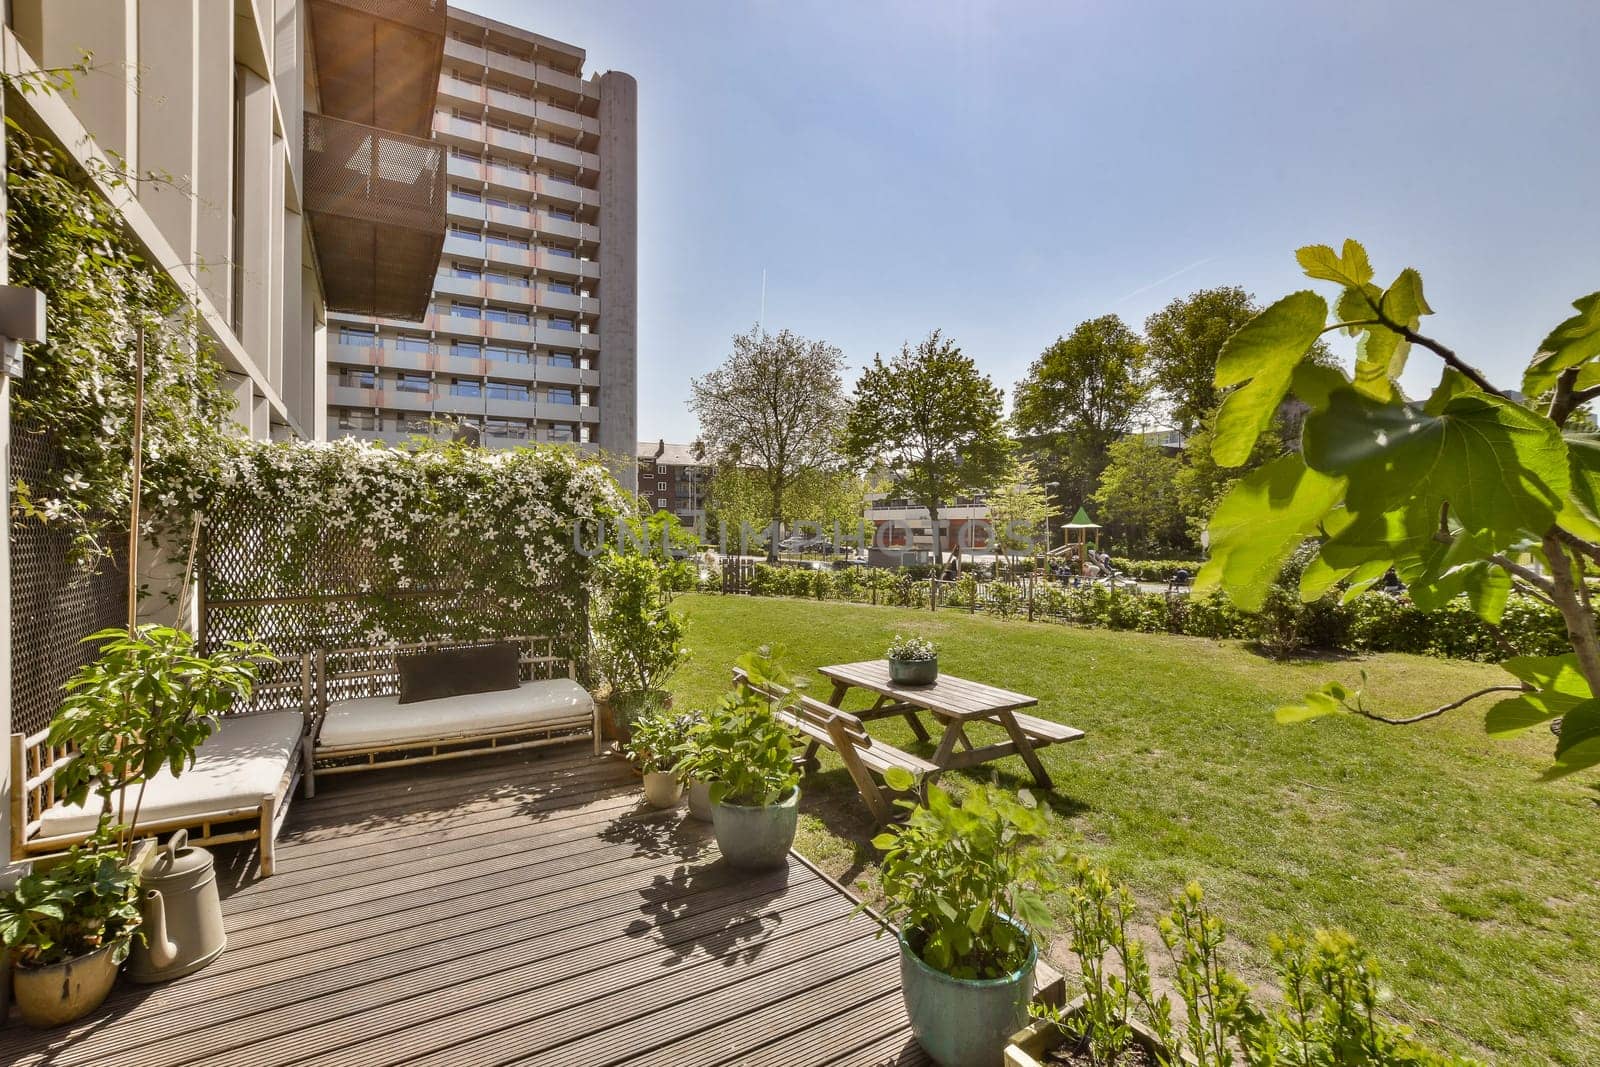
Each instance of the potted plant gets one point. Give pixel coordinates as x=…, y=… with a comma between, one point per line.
x=964, y=885
x=913, y=661
x=692, y=772
x=656, y=745
x=638, y=642
x=69, y=925
x=147, y=701
x=747, y=755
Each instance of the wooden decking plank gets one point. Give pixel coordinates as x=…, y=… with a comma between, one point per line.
x=871, y=1010
x=559, y=996
x=800, y=1010
x=424, y=951
x=635, y=1009
x=442, y=968
x=481, y=840
x=896, y=1049
x=512, y=908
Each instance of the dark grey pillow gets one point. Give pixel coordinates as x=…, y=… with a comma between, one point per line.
x=453, y=672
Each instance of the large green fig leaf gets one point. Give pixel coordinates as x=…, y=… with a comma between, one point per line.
x=1262, y=356
x=1259, y=523
x=1574, y=342
x=1501, y=468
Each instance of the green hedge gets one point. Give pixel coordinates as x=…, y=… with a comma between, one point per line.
x=1154, y=570
x=1372, y=622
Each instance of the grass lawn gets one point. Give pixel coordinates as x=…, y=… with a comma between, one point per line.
x=1477, y=886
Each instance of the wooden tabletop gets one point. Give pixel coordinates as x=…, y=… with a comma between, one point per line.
x=950, y=696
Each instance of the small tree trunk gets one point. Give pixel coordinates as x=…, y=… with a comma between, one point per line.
x=1574, y=611
x=938, y=541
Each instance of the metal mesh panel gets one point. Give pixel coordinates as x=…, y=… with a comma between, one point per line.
x=376, y=201
x=54, y=602
x=378, y=60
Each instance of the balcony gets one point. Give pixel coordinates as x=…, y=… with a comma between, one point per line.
x=514, y=217
x=555, y=301
x=462, y=366
x=549, y=77
x=513, y=257
x=456, y=90
x=516, y=372
x=458, y=405
x=567, y=192
x=509, y=294
x=376, y=204
x=449, y=283
x=404, y=400
x=565, y=120
x=455, y=325
x=509, y=140
x=472, y=55
x=517, y=181
x=464, y=210
x=462, y=246
x=378, y=61
x=515, y=332
x=465, y=168
x=567, y=266
x=350, y=396
x=515, y=409
x=340, y=352
x=560, y=375
x=510, y=103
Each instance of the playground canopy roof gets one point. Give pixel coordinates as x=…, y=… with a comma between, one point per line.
x=1081, y=521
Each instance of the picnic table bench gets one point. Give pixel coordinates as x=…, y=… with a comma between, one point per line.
x=959, y=703
x=863, y=756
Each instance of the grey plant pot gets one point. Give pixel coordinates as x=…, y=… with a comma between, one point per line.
x=914, y=671
x=964, y=1022
x=757, y=837
x=700, y=800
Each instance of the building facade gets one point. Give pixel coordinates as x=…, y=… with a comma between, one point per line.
x=530, y=333
x=672, y=478
x=269, y=174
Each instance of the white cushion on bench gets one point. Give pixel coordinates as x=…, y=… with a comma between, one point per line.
x=383, y=720
x=242, y=761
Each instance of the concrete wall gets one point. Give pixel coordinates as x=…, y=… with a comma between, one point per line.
x=619, y=271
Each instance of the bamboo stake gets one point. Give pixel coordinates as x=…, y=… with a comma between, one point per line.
x=133, y=553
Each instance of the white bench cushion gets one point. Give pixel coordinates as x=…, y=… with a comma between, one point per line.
x=383, y=720
x=242, y=761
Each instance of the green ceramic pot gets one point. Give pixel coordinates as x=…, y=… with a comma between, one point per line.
x=964, y=1022
x=914, y=671
x=757, y=837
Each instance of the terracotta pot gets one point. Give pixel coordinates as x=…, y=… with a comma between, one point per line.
x=662, y=789
x=58, y=994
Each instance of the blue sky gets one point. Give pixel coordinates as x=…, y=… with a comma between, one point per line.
x=1004, y=170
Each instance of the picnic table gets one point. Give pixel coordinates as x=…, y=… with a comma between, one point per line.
x=958, y=703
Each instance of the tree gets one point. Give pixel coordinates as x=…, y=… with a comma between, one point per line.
x=1138, y=498
x=1185, y=339
x=1018, y=508
x=1081, y=394
x=774, y=408
x=825, y=499
x=1467, y=492
x=932, y=418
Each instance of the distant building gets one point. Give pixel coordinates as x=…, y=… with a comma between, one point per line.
x=672, y=478
x=1167, y=438
x=903, y=529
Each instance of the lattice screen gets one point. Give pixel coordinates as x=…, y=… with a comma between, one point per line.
x=300, y=593
x=54, y=603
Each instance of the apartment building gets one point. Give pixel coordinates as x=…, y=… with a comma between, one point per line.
x=672, y=478
x=529, y=335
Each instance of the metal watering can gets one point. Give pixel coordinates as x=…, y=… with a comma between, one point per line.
x=182, y=914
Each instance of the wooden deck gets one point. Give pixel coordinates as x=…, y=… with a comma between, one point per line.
x=516, y=909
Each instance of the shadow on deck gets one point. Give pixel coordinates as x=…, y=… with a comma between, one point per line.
x=516, y=909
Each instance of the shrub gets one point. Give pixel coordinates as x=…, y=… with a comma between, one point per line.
x=86, y=901
x=638, y=642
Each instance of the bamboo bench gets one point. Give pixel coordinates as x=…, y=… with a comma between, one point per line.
x=356, y=692
x=824, y=726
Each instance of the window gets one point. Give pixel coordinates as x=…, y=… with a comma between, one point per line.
x=560, y=180
x=562, y=396
x=407, y=343
x=505, y=240
x=507, y=391
x=358, y=379
x=563, y=324
x=506, y=428
x=466, y=387
x=506, y=354
x=458, y=193
x=460, y=271
x=411, y=383
x=357, y=420
x=559, y=287
x=464, y=233
x=509, y=164
x=564, y=253
x=561, y=359
x=564, y=216
x=356, y=335
x=661, y=502
x=466, y=311
x=661, y=487
x=465, y=349
x=499, y=314
x=560, y=433
x=462, y=153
